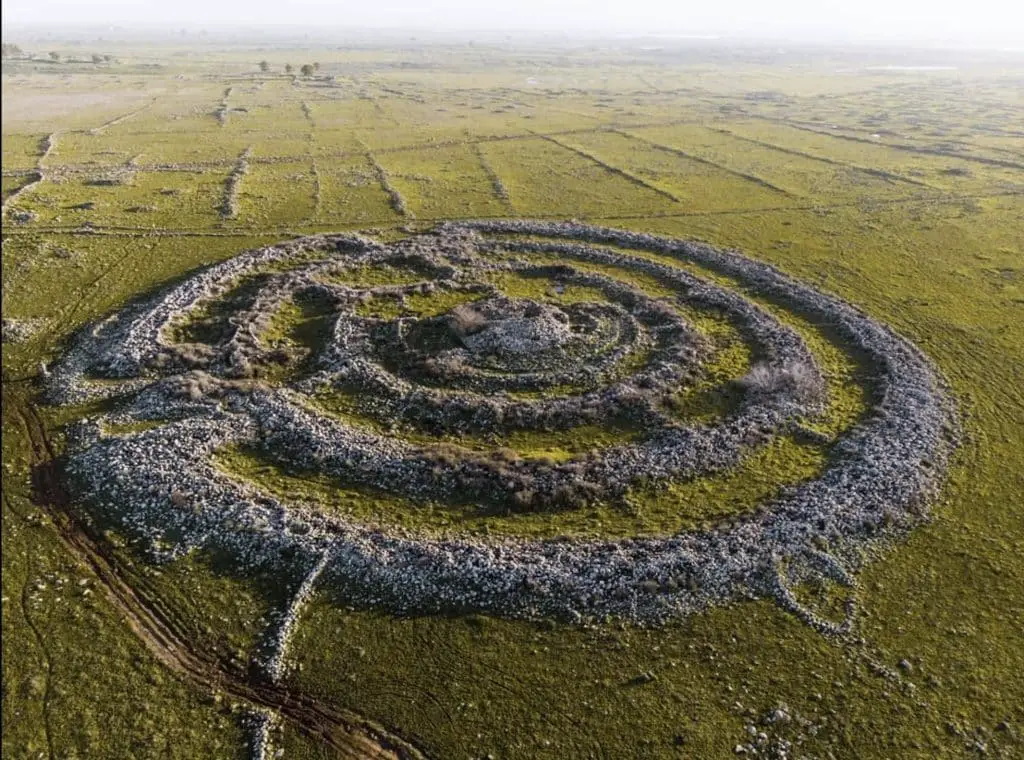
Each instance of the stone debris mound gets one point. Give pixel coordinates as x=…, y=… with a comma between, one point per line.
x=492, y=364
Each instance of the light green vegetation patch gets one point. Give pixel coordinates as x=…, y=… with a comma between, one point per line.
x=653, y=510
x=21, y=151
x=796, y=178
x=700, y=503
x=301, y=326
x=558, y=445
x=210, y=322
x=420, y=304
x=714, y=394
x=547, y=180
x=947, y=172
x=443, y=182
x=128, y=428
x=131, y=198
x=368, y=277
x=698, y=185
x=188, y=141
x=13, y=184
x=277, y=195
x=350, y=193
x=542, y=288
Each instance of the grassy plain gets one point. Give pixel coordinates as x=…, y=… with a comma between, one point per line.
x=901, y=191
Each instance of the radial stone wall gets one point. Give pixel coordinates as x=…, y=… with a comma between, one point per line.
x=486, y=363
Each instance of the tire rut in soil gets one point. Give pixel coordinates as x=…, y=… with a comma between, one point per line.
x=351, y=736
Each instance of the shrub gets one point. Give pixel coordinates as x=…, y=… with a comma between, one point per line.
x=798, y=381
x=465, y=320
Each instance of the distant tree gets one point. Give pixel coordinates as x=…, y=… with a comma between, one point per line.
x=108, y=58
x=307, y=70
x=10, y=50
x=316, y=66
x=288, y=68
x=97, y=58
x=54, y=55
x=264, y=66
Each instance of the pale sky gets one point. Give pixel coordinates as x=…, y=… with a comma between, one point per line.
x=977, y=22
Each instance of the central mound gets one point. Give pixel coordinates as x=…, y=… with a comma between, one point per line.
x=466, y=370
x=511, y=326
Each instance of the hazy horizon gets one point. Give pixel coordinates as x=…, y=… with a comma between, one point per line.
x=989, y=23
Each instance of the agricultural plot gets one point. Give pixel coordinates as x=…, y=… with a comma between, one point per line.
x=545, y=178
x=187, y=142
x=790, y=175
x=351, y=192
x=698, y=185
x=436, y=182
x=21, y=151
x=276, y=195
x=945, y=172
x=534, y=403
x=121, y=196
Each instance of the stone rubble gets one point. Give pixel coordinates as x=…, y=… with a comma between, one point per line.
x=463, y=372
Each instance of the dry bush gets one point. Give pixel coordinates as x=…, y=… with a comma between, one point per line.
x=465, y=320
x=798, y=381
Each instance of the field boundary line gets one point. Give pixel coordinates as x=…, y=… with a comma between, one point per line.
x=708, y=162
x=119, y=119
x=499, y=187
x=881, y=173
x=46, y=146
x=298, y=230
x=895, y=146
x=229, y=205
x=395, y=198
x=625, y=174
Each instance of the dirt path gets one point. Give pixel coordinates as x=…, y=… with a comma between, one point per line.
x=351, y=736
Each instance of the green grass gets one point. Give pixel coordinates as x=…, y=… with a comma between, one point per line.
x=934, y=253
x=210, y=323
x=419, y=304
x=369, y=277
x=65, y=645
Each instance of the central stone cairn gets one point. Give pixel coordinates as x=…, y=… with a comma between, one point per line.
x=488, y=364
x=502, y=326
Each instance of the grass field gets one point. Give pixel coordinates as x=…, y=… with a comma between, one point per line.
x=899, y=191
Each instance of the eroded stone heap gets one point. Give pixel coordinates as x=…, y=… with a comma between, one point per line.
x=493, y=364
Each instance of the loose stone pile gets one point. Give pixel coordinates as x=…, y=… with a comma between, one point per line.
x=492, y=365
x=20, y=330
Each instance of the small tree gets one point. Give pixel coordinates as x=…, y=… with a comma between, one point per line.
x=108, y=58
x=97, y=58
x=316, y=66
x=264, y=66
x=288, y=68
x=307, y=70
x=54, y=55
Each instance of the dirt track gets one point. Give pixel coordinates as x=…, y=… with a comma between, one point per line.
x=349, y=734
